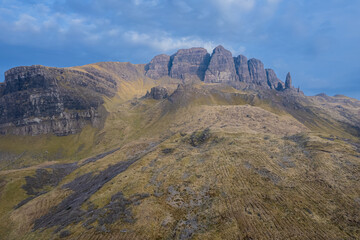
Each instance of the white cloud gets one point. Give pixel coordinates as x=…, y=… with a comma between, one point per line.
x=47, y=28
x=237, y=5
x=165, y=43
x=183, y=6
x=273, y=1
x=244, y=12
x=26, y=22
x=233, y=11
x=151, y=3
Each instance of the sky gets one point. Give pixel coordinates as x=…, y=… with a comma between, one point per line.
x=317, y=41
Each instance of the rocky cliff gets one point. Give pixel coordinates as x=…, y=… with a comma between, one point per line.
x=219, y=67
x=189, y=63
x=158, y=67
x=242, y=68
x=273, y=81
x=39, y=100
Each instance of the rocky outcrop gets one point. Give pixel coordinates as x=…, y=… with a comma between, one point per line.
x=242, y=68
x=157, y=93
x=158, y=67
x=273, y=81
x=221, y=68
x=257, y=73
x=41, y=100
x=189, y=63
x=288, y=81
x=2, y=89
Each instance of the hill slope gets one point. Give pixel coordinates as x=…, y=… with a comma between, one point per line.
x=190, y=160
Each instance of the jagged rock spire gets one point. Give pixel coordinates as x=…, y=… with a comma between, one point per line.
x=288, y=81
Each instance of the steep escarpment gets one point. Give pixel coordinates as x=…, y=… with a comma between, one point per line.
x=39, y=100
x=158, y=67
x=189, y=64
x=273, y=81
x=219, y=67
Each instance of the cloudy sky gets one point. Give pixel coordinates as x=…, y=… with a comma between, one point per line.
x=316, y=40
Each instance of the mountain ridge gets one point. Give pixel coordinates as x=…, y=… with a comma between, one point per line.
x=36, y=84
x=103, y=151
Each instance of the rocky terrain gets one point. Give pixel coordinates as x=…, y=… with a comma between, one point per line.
x=39, y=100
x=188, y=146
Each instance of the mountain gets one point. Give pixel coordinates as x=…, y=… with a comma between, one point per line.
x=188, y=146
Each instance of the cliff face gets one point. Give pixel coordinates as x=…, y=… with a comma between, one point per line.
x=40, y=100
x=158, y=67
x=219, y=67
x=273, y=81
x=257, y=72
x=242, y=68
x=189, y=63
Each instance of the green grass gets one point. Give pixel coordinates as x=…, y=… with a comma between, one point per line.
x=32, y=150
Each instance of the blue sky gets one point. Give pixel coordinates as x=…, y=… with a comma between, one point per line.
x=316, y=40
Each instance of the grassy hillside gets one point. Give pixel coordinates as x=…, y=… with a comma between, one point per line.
x=209, y=162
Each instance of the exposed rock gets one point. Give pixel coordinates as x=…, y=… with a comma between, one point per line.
x=70, y=211
x=221, y=67
x=257, y=72
x=273, y=81
x=189, y=63
x=198, y=138
x=40, y=100
x=117, y=209
x=157, y=93
x=64, y=234
x=35, y=185
x=158, y=67
x=2, y=88
x=288, y=81
x=280, y=86
x=242, y=68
